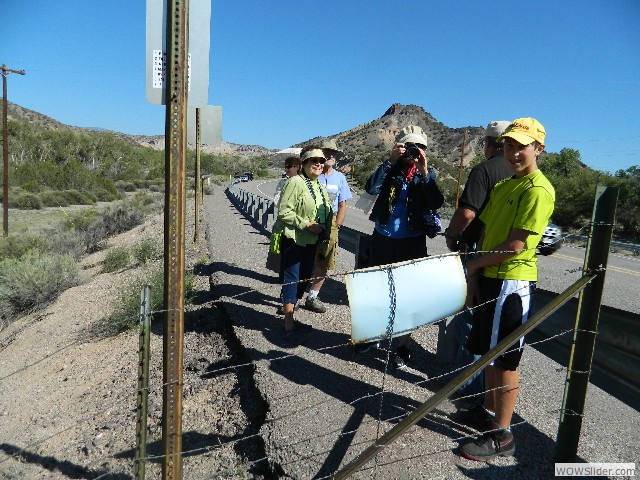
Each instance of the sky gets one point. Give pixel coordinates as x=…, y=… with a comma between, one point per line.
x=285, y=71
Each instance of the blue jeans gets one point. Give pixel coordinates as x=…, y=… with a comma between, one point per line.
x=297, y=263
x=475, y=384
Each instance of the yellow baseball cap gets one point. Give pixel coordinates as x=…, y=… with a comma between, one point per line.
x=524, y=131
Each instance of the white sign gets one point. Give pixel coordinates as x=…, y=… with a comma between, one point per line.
x=198, y=60
x=210, y=125
x=425, y=291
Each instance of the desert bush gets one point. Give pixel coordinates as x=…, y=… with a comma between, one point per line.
x=75, y=197
x=25, y=201
x=127, y=304
x=35, y=279
x=15, y=246
x=116, y=258
x=146, y=251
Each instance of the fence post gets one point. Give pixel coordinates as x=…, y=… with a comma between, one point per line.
x=143, y=381
x=586, y=326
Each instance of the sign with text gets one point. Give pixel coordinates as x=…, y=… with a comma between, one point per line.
x=198, y=61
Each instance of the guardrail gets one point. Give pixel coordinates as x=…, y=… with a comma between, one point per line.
x=617, y=355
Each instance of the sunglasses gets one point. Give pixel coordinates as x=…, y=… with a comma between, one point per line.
x=411, y=144
x=287, y=167
x=317, y=160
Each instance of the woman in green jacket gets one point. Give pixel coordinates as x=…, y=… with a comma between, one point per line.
x=304, y=213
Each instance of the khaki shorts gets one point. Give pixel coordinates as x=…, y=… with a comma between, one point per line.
x=329, y=262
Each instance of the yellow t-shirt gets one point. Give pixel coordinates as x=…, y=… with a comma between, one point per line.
x=525, y=203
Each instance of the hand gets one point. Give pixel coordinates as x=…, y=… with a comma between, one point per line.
x=422, y=163
x=472, y=269
x=396, y=152
x=315, y=227
x=452, y=244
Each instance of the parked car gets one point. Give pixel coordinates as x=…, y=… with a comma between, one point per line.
x=551, y=240
x=249, y=175
x=244, y=178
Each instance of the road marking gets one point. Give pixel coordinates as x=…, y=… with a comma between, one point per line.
x=612, y=268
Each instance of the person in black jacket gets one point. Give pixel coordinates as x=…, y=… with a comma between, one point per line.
x=403, y=212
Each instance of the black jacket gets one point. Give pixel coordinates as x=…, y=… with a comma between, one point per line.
x=423, y=195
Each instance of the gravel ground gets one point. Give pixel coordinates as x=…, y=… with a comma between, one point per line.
x=254, y=406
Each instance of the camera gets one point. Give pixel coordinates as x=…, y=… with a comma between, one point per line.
x=411, y=151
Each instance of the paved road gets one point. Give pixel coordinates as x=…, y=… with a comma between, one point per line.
x=324, y=401
x=556, y=271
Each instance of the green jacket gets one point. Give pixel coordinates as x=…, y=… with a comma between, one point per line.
x=297, y=209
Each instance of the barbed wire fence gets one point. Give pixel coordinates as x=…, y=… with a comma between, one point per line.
x=298, y=353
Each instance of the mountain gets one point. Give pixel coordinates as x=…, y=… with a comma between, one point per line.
x=379, y=135
x=375, y=136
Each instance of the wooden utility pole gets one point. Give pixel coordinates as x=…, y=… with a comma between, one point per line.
x=464, y=140
x=5, y=150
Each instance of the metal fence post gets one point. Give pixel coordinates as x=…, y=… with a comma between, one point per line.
x=586, y=327
x=143, y=381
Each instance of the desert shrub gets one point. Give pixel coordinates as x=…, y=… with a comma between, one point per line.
x=35, y=279
x=50, y=198
x=15, y=246
x=83, y=219
x=116, y=258
x=75, y=197
x=66, y=242
x=146, y=251
x=127, y=304
x=25, y=201
x=114, y=220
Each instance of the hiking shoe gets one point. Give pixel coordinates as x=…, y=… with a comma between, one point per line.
x=365, y=347
x=315, y=305
x=476, y=417
x=401, y=357
x=496, y=443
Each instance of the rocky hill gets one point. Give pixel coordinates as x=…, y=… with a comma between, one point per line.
x=375, y=136
x=378, y=135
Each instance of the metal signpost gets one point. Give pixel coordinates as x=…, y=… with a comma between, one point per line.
x=169, y=55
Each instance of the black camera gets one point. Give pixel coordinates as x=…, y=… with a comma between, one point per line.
x=411, y=151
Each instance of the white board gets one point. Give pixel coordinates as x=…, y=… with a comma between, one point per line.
x=426, y=291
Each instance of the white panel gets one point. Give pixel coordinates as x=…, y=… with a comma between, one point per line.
x=426, y=291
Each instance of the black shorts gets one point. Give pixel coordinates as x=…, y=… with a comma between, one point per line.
x=387, y=250
x=504, y=306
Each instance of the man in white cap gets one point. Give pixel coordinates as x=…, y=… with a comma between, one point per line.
x=339, y=192
x=466, y=229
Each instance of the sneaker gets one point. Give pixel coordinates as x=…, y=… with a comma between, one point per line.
x=365, y=347
x=476, y=417
x=315, y=305
x=496, y=443
x=401, y=357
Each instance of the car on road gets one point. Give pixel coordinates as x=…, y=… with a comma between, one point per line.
x=551, y=240
x=244, y=178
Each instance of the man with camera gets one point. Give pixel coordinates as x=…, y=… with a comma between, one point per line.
x=339, y=192
x=407, y=196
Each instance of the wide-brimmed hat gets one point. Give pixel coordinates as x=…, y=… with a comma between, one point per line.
x=524, y=131
x=329, y=145
x=413, y=134
x=312, y=153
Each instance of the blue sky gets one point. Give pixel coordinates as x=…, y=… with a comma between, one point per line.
x=286, y=71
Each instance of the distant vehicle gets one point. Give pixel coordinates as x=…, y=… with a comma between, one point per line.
x=244, y=178
x=551, y=240
x=249, y=175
